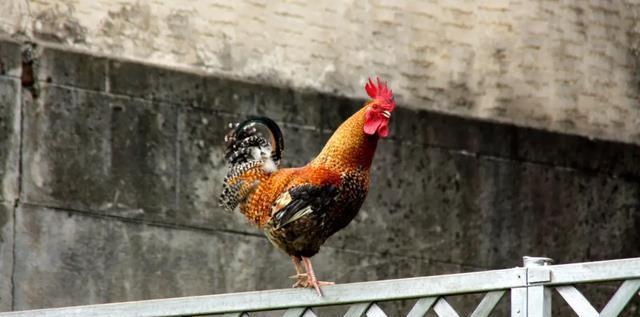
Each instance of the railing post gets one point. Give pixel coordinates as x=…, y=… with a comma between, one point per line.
x=519, y=302
x=538, y=296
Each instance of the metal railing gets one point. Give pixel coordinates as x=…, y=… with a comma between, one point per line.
x=530, y=289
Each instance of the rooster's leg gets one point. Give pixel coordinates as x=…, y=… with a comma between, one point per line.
x=301, y=278
x=312, y=281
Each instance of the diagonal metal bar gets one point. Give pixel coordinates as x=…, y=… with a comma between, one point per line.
x=294, y=312
x=309, y=313
x=620, y=299
x=422, y=306
x=443, y=309
x=299, y=312
x=357, y=310
x=375, y=311
x=235, y=315
x=489, y=301
x=577, y=301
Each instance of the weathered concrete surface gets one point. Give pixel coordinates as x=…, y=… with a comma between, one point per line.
x=10, y=59
x=10, y=92
x=16, y=18
x=158, y=84
x=10, y=116
x=90, y=151
x=202, y=166
x=71, y=69
x=460, y=208
x=97, y=260
x=137, y=158
x=6, y=255
x=565, y=66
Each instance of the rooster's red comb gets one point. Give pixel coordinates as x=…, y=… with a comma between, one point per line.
x=380, y=92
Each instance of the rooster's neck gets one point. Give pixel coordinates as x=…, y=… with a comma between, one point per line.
x=349, y=147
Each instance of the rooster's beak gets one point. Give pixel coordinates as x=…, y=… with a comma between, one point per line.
x=386, y=113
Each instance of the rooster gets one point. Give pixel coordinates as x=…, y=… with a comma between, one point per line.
x=299, y=208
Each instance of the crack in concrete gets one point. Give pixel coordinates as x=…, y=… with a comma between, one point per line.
x=141, y=221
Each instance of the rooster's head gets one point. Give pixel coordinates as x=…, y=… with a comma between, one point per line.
x=379, y=109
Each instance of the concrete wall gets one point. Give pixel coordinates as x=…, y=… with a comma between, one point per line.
x=112, y=170
x=569, y=66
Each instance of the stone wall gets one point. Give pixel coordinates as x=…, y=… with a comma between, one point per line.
x=112, y=170
x=568, y=66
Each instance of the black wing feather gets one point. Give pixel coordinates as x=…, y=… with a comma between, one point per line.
x=302, y=197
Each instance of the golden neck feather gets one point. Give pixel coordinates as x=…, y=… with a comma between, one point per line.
x=349, y=147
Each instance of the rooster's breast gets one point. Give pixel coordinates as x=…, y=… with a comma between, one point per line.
x=304, y=236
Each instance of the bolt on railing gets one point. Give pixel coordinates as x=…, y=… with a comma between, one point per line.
x=530, y=288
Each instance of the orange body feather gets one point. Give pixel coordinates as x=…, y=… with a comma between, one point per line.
x=349, y=150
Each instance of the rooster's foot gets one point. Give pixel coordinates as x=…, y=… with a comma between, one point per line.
x=312, y=280
x=302, y=280
x=315, y=284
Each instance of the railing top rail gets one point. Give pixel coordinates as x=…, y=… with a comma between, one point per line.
x=364, y=292
x=589, y=272
x=286, y=298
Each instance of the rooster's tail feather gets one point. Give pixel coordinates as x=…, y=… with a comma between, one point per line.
x=251, y=156
x=247, y=139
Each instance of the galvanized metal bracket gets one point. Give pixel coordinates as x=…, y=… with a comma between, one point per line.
x=537, y=275
x=537, y=269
